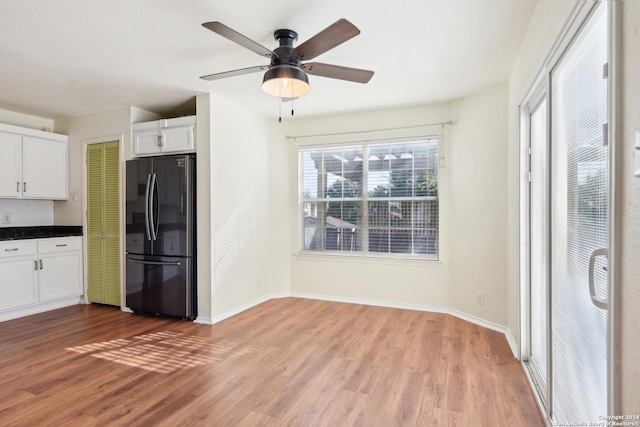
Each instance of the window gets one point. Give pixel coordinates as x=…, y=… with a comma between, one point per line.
x=377, y=198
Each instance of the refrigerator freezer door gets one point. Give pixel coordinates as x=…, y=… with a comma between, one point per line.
x=160, y=285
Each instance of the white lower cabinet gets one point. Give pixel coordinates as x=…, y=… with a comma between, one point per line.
x=39, y=274
x=18, y=274
x=60, y=267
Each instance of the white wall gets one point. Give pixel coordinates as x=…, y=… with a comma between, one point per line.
x=472, y=213
x=25, y=120
x=478, y=212
x=112, y=124
x=239, y=180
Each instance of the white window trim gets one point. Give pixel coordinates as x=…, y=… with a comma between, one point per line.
x=376, y=257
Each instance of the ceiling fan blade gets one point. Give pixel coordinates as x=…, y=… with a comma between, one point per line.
x=332, y=36
x=233, y=73
x=236, y=37
x=338, y=72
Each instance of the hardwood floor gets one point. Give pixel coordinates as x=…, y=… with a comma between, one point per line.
x=285, y=362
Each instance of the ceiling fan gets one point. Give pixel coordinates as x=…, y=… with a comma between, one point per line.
x=286, y=75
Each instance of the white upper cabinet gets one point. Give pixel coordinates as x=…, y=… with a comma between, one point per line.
x=164, y=136
x=33, y=164
x=44, y=168
x=10, y=165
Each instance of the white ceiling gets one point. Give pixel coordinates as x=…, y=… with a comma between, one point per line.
x=74, y=57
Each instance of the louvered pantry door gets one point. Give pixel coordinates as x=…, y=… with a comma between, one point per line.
x=103, y=223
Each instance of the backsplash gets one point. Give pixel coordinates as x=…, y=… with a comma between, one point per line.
x=23, y=213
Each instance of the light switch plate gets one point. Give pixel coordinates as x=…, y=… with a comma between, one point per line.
x=636, y=155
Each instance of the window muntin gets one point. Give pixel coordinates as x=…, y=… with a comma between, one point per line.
x=377, y=198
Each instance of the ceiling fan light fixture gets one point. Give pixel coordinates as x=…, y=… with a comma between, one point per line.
x=286, y=81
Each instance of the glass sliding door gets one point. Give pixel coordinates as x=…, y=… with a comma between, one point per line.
x=579, y=226
x=539, y=241
x=566, y=222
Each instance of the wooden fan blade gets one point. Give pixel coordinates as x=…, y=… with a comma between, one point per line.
x=338, y=72
x=236, y=37
x=233, y=73
x=332, y=36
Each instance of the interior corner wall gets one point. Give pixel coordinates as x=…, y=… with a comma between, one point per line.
x=239, y=207
x=203, y=207
x=474, y=148
x=478, y=176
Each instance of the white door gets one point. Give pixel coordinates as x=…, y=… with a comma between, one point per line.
x=579, y=227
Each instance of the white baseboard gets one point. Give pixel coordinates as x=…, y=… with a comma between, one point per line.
x=432, y=309
x=203, y=320
x=512, y=343
x=39, y=308
x=244, y=307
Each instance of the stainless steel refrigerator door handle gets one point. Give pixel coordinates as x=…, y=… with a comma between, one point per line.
x=152, y=202
x=138, y=261
x=146, y=207
x=598, y=302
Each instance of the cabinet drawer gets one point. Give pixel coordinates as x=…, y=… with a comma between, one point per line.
x=13, y=248
x=59, y=244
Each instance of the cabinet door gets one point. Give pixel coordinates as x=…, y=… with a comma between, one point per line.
x=10, y=165
x=18, y=273
x=60, y=276
x=18, y=284
x=146, y=143
x=44, y=169
x=178, y=138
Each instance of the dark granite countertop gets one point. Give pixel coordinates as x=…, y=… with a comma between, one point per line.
x=16, y=233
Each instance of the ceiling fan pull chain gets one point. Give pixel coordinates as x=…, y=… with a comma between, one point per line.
x=280, y=106
x=292, y=98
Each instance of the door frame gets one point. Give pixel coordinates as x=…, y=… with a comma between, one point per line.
x=539, y=93
x=85, y=143
x=575, y=20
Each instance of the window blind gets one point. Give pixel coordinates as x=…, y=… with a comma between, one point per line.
x=579, y=210
x=377, y=198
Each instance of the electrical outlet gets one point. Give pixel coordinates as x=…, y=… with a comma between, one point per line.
x=259, y=283
x=480, y=298
x=6, y=218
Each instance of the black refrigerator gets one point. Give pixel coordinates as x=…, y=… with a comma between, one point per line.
x=161, y=235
